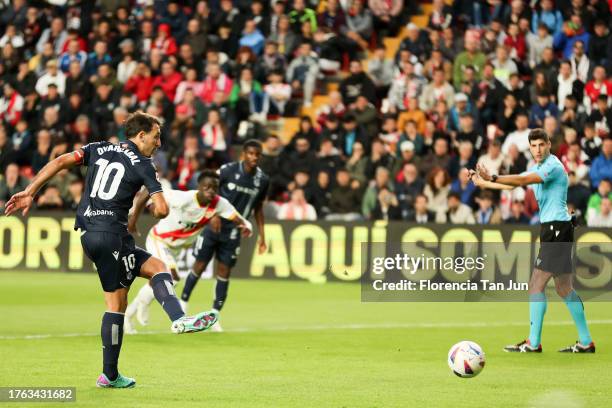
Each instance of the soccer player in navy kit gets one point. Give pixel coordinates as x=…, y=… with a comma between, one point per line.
x=115, y=173
x=245, y=186
x=555, y=259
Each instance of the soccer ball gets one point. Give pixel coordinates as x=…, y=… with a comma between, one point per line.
x=466, y=359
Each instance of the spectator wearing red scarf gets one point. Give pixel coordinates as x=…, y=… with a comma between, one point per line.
x=213, y=132
x=216, y=81
x=215, y=138
x=11, y=105
x=573, y=163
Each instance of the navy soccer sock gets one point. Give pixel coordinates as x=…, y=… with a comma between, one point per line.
x=112, y=336
x=220, y=293
x=163, y=289
x=190, y=282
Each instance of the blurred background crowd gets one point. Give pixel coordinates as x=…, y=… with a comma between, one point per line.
x=366, y=110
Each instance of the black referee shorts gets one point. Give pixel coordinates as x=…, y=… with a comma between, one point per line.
x=556, y=247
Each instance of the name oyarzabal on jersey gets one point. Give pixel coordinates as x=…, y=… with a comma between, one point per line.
x=121, y=149
x=115, y=173
x=243, y=190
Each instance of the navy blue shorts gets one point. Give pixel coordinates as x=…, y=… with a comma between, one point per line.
x=225, y=244
x=117, y=258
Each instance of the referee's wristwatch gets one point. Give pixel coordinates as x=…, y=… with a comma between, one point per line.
x=494, y=178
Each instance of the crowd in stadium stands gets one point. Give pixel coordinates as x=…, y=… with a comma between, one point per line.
x=393, y=142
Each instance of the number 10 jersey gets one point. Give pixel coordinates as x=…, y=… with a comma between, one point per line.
x=115, y=173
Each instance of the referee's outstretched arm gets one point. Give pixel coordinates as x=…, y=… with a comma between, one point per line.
x=482, y=178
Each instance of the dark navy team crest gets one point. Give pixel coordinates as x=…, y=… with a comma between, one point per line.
x=243, y=190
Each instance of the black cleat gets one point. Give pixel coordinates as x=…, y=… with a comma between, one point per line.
x=579, y=348
x=523, y=347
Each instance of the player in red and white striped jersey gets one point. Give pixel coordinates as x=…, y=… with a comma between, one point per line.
x=190, y=211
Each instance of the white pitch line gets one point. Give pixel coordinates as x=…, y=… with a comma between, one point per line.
x=441, y=325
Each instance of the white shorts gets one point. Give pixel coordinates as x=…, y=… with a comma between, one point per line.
x=160, y=250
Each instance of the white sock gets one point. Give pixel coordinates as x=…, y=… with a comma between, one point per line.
x=145, y=295
x=131, y=309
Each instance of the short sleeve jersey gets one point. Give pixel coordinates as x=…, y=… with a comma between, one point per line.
x=115, y=173
x=551, y=194
x=243, y=190
x=187, y=217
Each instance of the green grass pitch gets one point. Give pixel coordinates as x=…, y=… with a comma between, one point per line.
x=296, y=344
